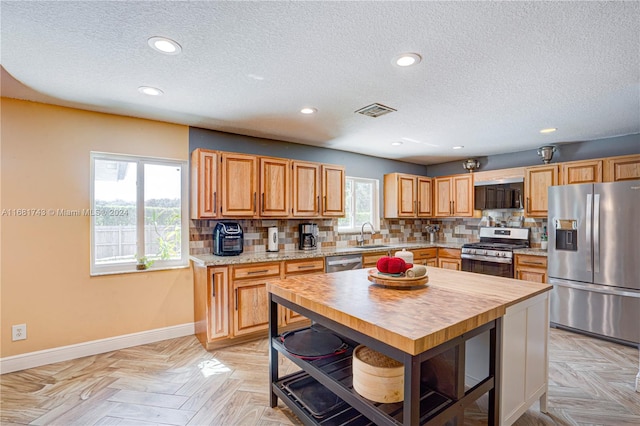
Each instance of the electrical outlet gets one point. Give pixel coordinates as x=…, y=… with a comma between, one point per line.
x=19, y=332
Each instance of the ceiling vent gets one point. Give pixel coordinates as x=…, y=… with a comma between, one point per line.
x=375, y=110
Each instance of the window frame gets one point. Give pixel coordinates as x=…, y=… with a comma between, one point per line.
x=376, y=204
x=159, y=264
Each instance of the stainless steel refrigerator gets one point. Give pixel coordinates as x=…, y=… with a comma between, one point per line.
x=594, y=259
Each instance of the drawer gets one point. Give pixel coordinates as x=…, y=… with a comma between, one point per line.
x=370, y=259
x=528, y=260
x=450, y=253
x=422, y=254
x=303, y=266
x=256, y=270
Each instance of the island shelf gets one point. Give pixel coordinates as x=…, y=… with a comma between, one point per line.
x=424, y=405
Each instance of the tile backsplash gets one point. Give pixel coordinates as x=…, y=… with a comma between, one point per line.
x=392, y=231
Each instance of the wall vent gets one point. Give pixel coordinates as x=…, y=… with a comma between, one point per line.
x=375, y=110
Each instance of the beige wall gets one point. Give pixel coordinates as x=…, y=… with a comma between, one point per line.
x=45, y=280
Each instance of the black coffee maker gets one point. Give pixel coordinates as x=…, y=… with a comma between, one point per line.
x=308, y=236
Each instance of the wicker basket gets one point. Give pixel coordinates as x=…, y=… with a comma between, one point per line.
x=376, y=376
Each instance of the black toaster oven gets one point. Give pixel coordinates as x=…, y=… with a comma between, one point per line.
x=227, y=239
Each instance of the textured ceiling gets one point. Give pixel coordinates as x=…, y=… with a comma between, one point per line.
x=493, y=73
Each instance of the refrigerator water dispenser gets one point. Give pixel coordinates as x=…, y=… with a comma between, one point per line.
x=566, y=234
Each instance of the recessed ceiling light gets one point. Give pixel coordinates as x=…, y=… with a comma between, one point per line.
x=165, y=45
x=151, y=91
x=458, y=147
x=398, y=143
x=408, y=59
x=308, y=110
x=549, y=130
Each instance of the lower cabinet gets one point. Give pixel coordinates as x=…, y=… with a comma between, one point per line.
x=449, y=258
x=294, y=268
x=369, y=260
x=524, y=378
x=231, y=302
x=531, y=268
x=426, y=257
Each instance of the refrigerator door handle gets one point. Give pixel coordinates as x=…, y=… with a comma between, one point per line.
x=595, y=288
x=596, y=233
x=588, y=232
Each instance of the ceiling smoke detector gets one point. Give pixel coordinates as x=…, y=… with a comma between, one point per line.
x=375, y=110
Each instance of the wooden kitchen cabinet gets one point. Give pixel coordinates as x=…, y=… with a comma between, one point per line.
x=306, y=189
x=204, y=184
x=250, y=301
x=626, y=167
x=239, y=185
x=449, y=258
x=426, y=256
x=407, y=195
x=369, y=260
x=275, y=187
x=537, y=180
x=332, y=191
x=575, y=172
x=531, y=268
x=294, y=268
x=211, y=304
x=453, y=196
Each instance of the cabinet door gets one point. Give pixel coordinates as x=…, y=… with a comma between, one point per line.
x=251, y=307
x=581, y=172
x=463, y=195
x=535, y=275
x=424, y=197
x=537, y=181
x=274, y=187
x=332, y=191
x=218, y=289
x=407, y=196
x=531, y=268
x=442, y=190
x=455, y=264
x=306, y=189
x=204, y=184
x=626, y=167
x=239, y=179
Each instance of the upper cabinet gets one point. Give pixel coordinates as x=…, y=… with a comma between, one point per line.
x=204, y=184
x=574, y=172
x=453, y=196
x=536, y=182
x=332, y=190
x=274, y=187
x=239, y=185
x=407, y=196
x=232, y=185
x=306, y=189
x=626, y=167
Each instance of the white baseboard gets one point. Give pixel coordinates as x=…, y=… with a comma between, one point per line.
x=65, y=353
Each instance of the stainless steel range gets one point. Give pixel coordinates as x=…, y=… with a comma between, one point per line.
x=493, y=255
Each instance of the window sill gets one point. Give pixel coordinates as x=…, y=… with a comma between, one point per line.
x=136, y=271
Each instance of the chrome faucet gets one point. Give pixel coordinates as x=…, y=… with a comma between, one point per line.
x=360, y=240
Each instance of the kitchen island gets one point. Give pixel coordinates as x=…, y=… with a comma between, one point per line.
x=414, y=327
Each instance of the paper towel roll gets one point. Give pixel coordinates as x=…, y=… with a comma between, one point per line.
x=416, y=272
x=272, y=245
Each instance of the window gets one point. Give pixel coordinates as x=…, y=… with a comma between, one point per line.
x=138, y=213
x=361, y=204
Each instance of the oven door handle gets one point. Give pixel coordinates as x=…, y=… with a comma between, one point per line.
x=491, y=259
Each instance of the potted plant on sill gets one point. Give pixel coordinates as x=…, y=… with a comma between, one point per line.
x=143, y=263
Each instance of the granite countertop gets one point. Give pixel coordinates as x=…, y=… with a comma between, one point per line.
x=453, y=303
x=531, y=251
x=257, y=257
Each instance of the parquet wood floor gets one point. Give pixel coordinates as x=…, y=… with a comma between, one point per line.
x=177, y=382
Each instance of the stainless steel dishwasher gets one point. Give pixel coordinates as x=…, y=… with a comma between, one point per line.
x=345, y=262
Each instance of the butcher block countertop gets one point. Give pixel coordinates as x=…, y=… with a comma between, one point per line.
x=413, y=321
